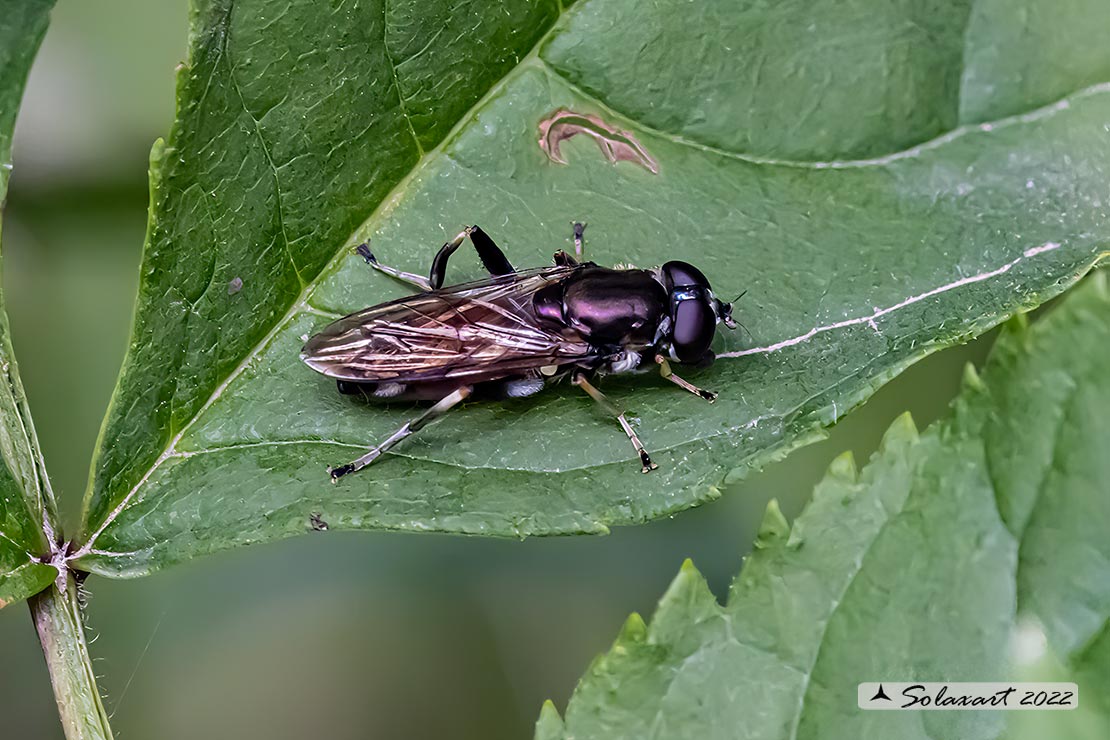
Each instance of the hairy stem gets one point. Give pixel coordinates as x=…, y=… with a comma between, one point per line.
x=58, y=621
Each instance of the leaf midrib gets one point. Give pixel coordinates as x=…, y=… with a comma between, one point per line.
x=171, y=453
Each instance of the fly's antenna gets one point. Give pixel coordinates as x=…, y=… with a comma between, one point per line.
x=744, y=328
x=727, y=319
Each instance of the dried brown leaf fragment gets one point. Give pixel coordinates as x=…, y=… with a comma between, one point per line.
x=615, y=144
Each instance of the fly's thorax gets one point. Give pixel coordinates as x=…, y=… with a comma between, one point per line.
x=606, y=307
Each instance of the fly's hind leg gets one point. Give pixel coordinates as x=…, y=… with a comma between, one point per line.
x=422, y=283
x=579, y=379
x=665, y=371
x=493, y=259
x=445, y=404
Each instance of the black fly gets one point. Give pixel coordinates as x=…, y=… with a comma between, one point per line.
x=510, y=335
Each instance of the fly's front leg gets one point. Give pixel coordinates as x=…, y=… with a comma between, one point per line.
x=363, y=251
x=579, y=379
x=493, y=259
x=445, y=404
x=562, y=259
x=665, y=371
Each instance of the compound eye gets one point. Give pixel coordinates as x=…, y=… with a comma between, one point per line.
x=694, y=327
x=683, y=274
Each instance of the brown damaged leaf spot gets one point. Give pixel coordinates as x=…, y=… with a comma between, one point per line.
x=616, y=145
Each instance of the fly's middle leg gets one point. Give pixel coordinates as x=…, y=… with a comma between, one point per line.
x=665, y=371
x=579, y=379
x=418, y=281
x=409, y=428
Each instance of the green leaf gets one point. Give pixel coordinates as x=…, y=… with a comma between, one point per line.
x=27, y=510
x=300, y=134
x=947, y=550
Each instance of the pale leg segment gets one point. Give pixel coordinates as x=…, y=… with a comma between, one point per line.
x=445, y=404
x=665, y=371
x=413, y=279
x=645, y=460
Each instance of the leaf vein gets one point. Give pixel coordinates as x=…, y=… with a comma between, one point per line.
x=1038, y=114
x=396, y=80
x=279, y=207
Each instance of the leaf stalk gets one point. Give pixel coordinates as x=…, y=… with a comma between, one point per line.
x=57, y=617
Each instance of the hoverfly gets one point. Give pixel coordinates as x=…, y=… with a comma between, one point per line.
x=510, y=335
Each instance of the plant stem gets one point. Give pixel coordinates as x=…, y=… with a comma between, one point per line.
x=58, y=621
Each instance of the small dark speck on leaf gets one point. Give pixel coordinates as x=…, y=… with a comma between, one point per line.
x=317, y=523
x=235, y=285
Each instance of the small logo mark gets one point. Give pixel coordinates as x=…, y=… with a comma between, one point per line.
x=880, y=694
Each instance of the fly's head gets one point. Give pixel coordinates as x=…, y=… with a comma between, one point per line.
x=694, y=313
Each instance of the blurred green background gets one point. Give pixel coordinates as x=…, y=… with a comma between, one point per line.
x=337, y=635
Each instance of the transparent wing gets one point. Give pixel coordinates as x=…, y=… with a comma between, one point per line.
x=475, y=331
